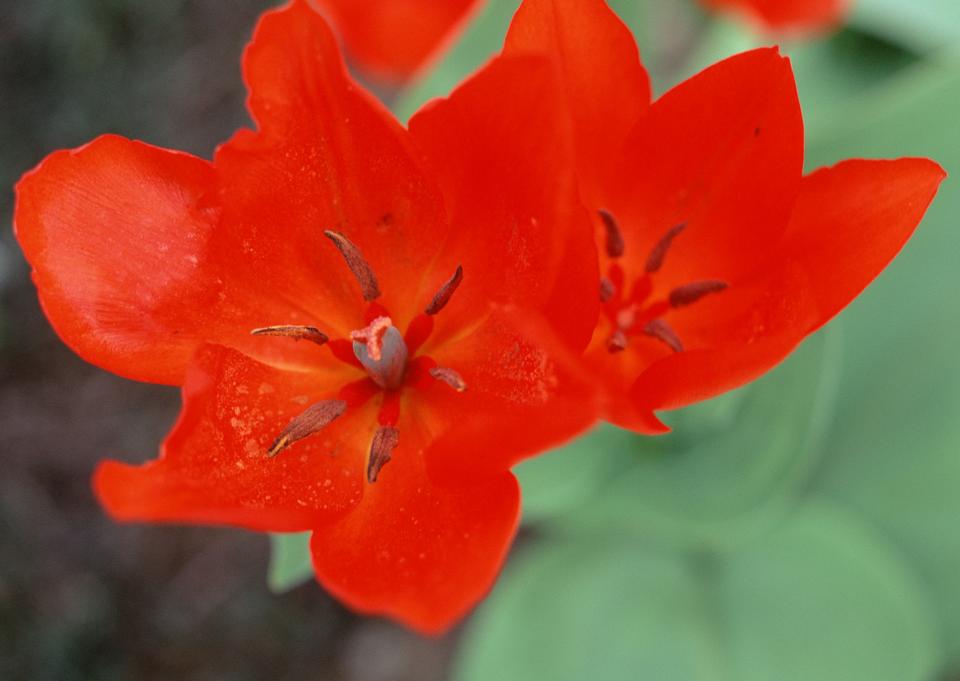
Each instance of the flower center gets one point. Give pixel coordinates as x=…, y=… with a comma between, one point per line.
x=382, y=351
x=641, y=312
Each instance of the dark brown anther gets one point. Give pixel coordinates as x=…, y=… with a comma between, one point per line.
x=357, y=264
x=662, y=331
x=445, y=293
x=385, y=440
x=310, y=422
x=659, y=251
x=607, y=289
x=310, y=333
x=617, y=341
x=615, y=243
x=450, y=377
x=691, y=293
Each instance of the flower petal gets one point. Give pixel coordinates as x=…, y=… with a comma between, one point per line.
x=789, y=14
x=722, y=153
x=606, y=86
x=497, y=145
x=851, y=220
x=213, y=467
x=418, y=552
x=117, y=233
x=326, y=156
x=393, y=39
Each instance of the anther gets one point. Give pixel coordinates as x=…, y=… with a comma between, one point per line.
x=662, y=331
x=607, y=289
x=615, y=243
x=691, y=293
x=445, y=293
x=297, y=333
x=311, y=421
x=659, y=251
x=617, y=341
x=450, y=377
x=357, y=263
x=385, y=440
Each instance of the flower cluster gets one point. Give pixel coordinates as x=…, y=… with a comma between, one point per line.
x=371, y=324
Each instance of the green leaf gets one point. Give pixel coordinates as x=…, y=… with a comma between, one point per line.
x=921, y=25
x=895, y=448
x=820, y=599
x=290, y=561
x=731, y=468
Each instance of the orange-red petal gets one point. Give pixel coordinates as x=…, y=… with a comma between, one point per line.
x=605, y=86
x=213, y=467
x=326, y=156
x=499, y=147
x=789, y=14
x=117, y=233
x=393, y=39
x=416, y=551
x=849, y=222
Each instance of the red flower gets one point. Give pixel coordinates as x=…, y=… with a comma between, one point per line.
x=407, y=256
x=718, y=255
x=788, y=14
x=393, y=39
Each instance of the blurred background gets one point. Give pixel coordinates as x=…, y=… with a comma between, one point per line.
x=805, y=528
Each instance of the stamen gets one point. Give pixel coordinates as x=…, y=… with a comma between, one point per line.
x=357, y=264
x=384, y=442
x=297, y=333
x=662, y=331
x=450, y=377
x=615, y=243
x=445, y=293
x=607, y=290
x=617, y=342
x=659, y=251
x=691, y=293
x=311, y=421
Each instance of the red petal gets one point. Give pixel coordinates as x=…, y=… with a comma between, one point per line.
x=395, y=38
x=789, y=14
x=117, y=235
x=518, y=229
x=851, y=220
x=723, y=153
x=418, y=552
x=327, y=156
x=606, y=86
x=213, y=467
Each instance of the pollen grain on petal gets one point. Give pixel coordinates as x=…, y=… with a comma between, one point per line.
x=663, y=332
x=357, y=263
x=659, y=252
x=385, y=440
x=688, y=294
x=450, y=377
x=446, y=292
x=309, y=333
x=311, y=421
x=614, y=242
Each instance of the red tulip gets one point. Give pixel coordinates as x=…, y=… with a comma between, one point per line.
x=788, y=14
x=393, y=39
x=355, y=313
x=718, y=256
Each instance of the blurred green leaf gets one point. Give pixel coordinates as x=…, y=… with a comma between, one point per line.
x=731, y=467
x=290, y=561
x=821, y=599
x=895, y=450
x=921, y=25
